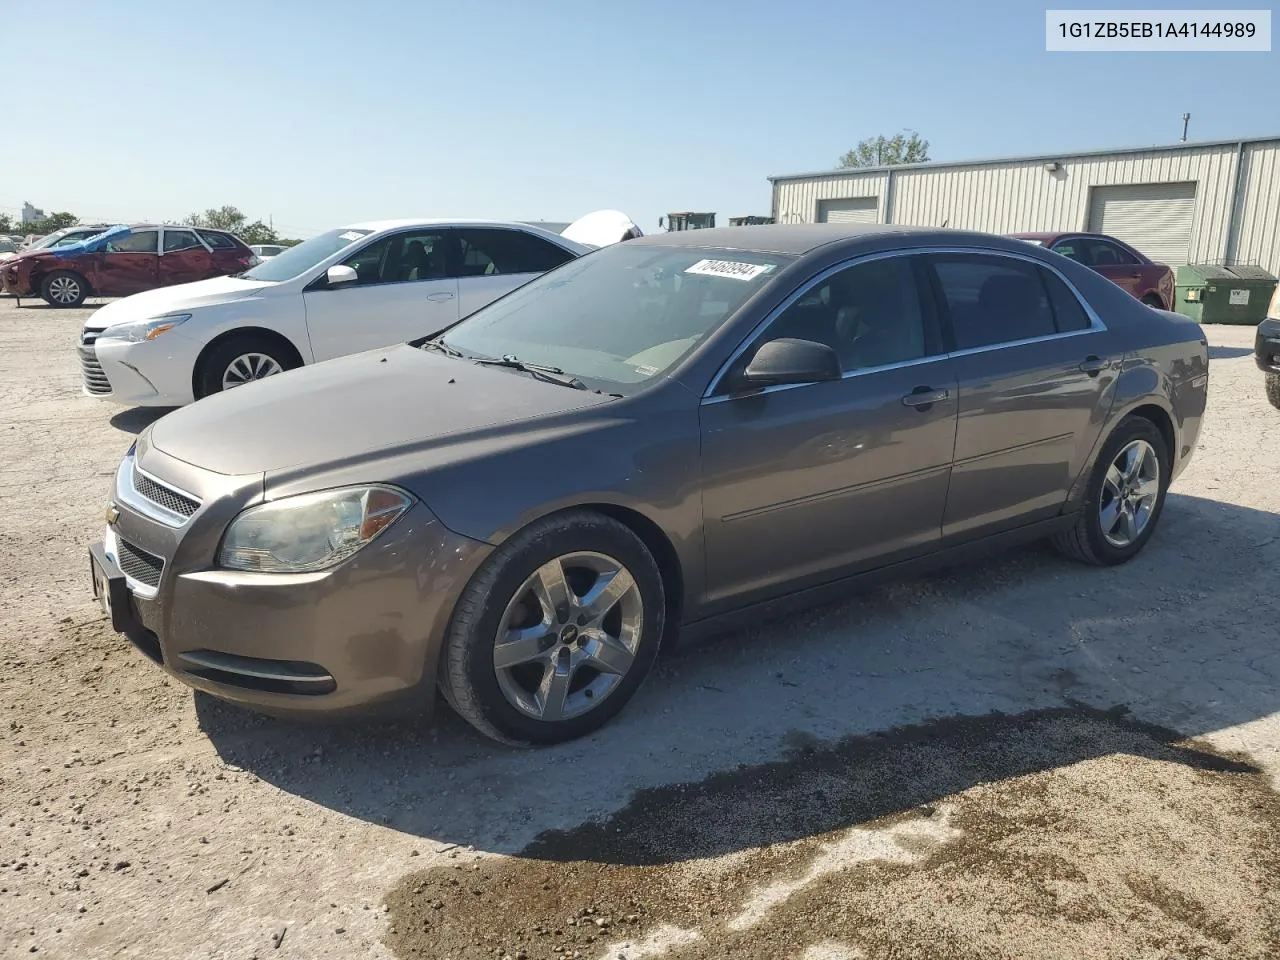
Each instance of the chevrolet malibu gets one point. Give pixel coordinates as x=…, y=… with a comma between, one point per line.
x=661, y=439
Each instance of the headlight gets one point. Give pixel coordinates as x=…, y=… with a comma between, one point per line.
x=141, y=330
x=310, y=531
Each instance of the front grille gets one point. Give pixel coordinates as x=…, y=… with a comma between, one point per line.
x=89, y=335
x=158, y=493
x=137, y=564
x=95, y=378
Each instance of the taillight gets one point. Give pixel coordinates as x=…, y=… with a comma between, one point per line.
x=250, y=261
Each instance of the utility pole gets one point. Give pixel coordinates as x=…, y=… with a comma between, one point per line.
x=1186, y=119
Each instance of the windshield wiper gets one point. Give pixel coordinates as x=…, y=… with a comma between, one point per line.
x=444, y=348
x=538, y=370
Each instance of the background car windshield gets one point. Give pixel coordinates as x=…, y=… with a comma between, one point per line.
x=621, y=315
x=304, y=256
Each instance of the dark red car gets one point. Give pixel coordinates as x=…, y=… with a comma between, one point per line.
x=122, y=261
x=1148, y=281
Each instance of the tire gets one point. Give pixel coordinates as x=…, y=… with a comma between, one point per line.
x=1088, y=541
x=1273, y=389
x=64, y=288
x=246, y=353
x=502, y=703
x=1151, y=300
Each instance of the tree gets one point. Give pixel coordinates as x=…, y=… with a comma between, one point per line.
x=882, y=151
x=230, y=218
x=6, y=224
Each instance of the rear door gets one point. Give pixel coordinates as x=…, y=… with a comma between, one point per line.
x=229, y=254
x=128, y=265
x=1116, y=264
x=183, y=257
x=493, y=261
x=403, y=291
x=1035, y=369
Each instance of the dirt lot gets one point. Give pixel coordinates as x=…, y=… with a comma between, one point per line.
x=935, y=769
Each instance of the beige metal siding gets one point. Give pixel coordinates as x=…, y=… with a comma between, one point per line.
x=1015, y=196
x=1154, y=218
x=1258, y=236
x=797, y=201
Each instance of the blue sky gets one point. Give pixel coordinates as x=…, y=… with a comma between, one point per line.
x=318, y=113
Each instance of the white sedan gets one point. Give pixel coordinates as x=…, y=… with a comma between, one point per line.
x=354, y=288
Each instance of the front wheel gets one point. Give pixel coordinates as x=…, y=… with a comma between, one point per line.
x=240, y=360
x=1273, y=389
x=1151, y=300
x=1124, y=497
x=63, y=288
x=555, y=632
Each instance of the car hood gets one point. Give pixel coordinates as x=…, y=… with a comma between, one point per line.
x=340, y=410
x=601, y=228
x=184, y=296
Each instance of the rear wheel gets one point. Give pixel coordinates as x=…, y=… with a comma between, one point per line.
x=556, y=631
x=1124, y=498
x=1273, y=389
x=1151, y=300
x=64, y=288
x=240, y=360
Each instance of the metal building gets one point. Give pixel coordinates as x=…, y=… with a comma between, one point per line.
x=1215, y=201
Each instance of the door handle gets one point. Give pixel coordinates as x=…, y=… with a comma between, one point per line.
x=922, y=398
x=436, y=297
x=1093, y=365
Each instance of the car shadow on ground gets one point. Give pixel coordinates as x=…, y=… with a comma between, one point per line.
x=136, y=419
x=1172, y=635
x=1229, y=353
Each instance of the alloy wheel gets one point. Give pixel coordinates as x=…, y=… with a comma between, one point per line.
x=568, y=637
x=249, y=367
x=64, y=289
x=1130, y=492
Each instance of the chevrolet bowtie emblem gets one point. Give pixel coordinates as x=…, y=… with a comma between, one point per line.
x=113, y=514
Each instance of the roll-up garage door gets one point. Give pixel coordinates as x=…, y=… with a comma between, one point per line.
x=1153, y=217
x=857, y=210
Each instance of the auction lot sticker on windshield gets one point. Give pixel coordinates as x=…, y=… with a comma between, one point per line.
x=730, y=268
x=350, y=235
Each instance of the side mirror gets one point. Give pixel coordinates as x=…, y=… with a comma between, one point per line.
x=791, y=361
x=339, y=274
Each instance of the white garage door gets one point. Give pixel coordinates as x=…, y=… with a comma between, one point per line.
x=1154, y=217
x=857, y=210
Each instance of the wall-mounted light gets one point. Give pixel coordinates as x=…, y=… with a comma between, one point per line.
x=1053, y=166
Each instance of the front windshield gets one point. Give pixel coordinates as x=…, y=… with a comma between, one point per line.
x=7, y=245
x=302, y=257
x=60, y=239
x=621, y=315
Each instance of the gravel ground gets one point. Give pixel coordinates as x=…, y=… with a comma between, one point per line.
x=1024, y=758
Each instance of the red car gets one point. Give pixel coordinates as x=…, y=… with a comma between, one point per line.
x=1148, y=281
x=124, y=260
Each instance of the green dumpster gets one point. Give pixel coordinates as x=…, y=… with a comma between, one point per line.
x=1213, y=293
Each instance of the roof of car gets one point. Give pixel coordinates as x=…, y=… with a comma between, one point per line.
x=793, y=238
x=431, y=222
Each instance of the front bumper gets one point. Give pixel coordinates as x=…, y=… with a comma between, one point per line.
x=155, y=374
x=361, y=637
x=1266, y=346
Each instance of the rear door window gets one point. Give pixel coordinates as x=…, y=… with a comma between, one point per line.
x=176, y=240
x=992, y=299
x=219, y=241
x=490, y=252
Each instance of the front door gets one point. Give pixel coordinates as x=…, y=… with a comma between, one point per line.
x=128, y=265
x=403, y=290
x=811, y=481
x=183, y=258
x=1035, y=373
